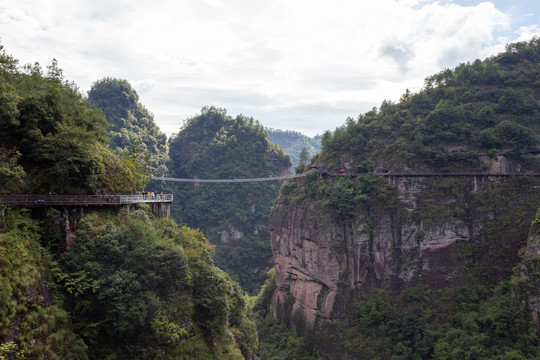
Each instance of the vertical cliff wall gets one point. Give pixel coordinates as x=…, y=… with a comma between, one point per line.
x=527, y=285
x=335, y=239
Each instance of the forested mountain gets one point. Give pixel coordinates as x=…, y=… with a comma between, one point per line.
x=51, y=141
x=293, y=142
x=488, y=107
x=132, y=128
x=234, y=217
x=377, y=266
x=131, y=286
x=383, y=266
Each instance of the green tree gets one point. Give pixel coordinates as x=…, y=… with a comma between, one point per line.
x=51, y=140
x=234, y=217
x=131, y=125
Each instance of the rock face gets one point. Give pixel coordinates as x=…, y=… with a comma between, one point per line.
x=530, y=273
x=443, y=232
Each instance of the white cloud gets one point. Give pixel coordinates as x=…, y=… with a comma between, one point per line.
x=527, y=32
x=302, y=65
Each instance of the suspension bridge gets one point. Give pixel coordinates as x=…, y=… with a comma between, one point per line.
x=353, y=174
x=37, y=200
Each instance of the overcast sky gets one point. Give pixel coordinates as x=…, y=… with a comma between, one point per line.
x=301, y=65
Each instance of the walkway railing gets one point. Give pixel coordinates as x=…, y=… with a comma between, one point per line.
x=437, y=174
x=49, y=200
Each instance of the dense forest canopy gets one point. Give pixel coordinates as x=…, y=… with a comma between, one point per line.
x=490, y=107
x=215, y=145
x=132, y=285
x=132, y=128
x=234, y=217
x=50, y=138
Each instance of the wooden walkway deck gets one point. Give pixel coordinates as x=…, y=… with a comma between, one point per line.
x=78, y=200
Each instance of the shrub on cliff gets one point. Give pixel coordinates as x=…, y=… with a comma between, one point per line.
x=33, y=322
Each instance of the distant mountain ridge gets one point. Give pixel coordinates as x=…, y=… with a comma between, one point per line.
x=293, y=142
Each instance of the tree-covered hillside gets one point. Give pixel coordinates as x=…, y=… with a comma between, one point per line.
x=293, y=142
x=51, y=141
x=127, y=285
x=488, y=107
x=131, y=126
x=234, y=217
x=130, y=287
x=425, y=267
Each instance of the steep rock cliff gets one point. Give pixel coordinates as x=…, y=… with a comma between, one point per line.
x=442, y=231
x=527, y=285
x=389, y=265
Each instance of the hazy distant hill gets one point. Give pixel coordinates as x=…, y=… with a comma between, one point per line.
x=293, y=142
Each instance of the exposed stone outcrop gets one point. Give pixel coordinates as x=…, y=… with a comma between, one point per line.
x=530, y=273
x=442, y=233
x=231, y=234
x=70, y=218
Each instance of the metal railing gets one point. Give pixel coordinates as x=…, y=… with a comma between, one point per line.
x=49, y=200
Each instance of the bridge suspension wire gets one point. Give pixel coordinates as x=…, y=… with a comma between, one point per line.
x=330, y=174
x=273, y=178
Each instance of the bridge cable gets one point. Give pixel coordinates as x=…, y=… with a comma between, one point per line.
x=273, y=178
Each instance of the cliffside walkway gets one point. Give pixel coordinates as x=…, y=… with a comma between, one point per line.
x=437, y=174
x=160, y=204
x=81, y=200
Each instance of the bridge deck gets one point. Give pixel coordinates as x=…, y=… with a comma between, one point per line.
x=51, y=200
